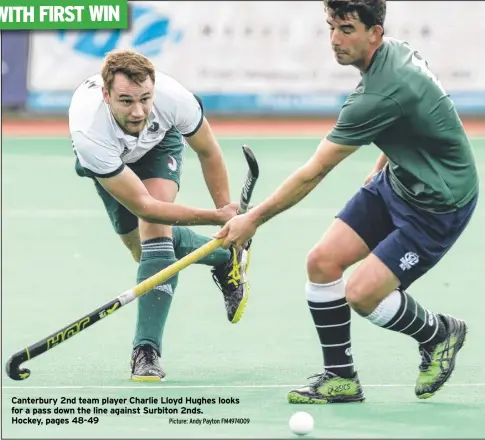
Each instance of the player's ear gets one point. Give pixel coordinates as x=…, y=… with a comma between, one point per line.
x=376, y=33
x=105, y=95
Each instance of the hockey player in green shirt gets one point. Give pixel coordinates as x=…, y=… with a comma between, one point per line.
x=413, y=207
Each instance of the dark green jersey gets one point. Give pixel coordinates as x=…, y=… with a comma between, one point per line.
x=400, y=106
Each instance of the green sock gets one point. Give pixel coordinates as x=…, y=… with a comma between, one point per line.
x=153, y=306
x=186, y=241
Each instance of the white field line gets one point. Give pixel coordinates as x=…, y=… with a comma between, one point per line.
x=191, y=387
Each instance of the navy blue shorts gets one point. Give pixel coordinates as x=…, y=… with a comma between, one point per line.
x=408, y=240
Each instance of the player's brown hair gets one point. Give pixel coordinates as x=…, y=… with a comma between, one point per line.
x=134, y=65
x=370, y=12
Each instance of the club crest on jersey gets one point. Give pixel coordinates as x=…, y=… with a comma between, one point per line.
x=153, y=128
x=172, y=164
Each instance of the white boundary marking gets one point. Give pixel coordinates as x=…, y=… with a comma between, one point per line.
x=189, y=387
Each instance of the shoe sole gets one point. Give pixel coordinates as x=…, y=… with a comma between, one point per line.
x=296, y=398
x=459, y=345
x=147, y=379
x=136, y=378
x=242, y=305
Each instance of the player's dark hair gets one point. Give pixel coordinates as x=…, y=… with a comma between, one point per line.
x=370, y=12
x=134, y=65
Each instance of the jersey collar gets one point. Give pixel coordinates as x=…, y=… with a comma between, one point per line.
x=376, y=54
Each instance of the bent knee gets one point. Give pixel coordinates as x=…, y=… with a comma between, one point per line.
x=359, y=297
x=135, y=250
x=132, y=242
x=322, y=267
x=136, y=254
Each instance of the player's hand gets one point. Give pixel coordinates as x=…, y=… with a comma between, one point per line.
x=227, y=212
x=237, y=231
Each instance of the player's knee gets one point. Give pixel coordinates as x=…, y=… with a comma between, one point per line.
x=134, y=248
x=321, y=267
x=136, y=254
x=358, y=297
x=132, y=242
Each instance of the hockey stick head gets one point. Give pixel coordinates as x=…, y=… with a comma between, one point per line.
x=250, y=182
x=13, y=366
x=251, y=160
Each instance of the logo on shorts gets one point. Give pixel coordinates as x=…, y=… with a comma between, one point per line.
x=172, y=164
x=430, y=320
x=348, y=351
x=409, y=260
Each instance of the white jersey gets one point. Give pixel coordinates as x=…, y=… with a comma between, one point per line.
x=101, y=145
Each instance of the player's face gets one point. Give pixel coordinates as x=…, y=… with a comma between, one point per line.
x=351, y=41
x=130, y=103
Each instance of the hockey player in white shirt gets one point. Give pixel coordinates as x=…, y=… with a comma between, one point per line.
x=127, y=127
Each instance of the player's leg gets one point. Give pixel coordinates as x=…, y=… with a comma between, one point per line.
x=157, y=253
x=124, y=222
x=153, y=307
x=229, y=266
x=376, y=289
x=160, y=171
x=151, y=246
x=132, y=241
x=359, y=227
x=377, y=294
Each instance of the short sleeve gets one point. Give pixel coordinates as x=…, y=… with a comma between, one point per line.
x=101, y=159
x=363, y=117
x=189, y=114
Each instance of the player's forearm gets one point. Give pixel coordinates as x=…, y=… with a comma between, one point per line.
x=171, y=214
x=216, y=178
x=292, y=191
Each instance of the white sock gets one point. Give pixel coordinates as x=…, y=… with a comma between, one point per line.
x=325, y=292
x=386, y=310
x=401, y=313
